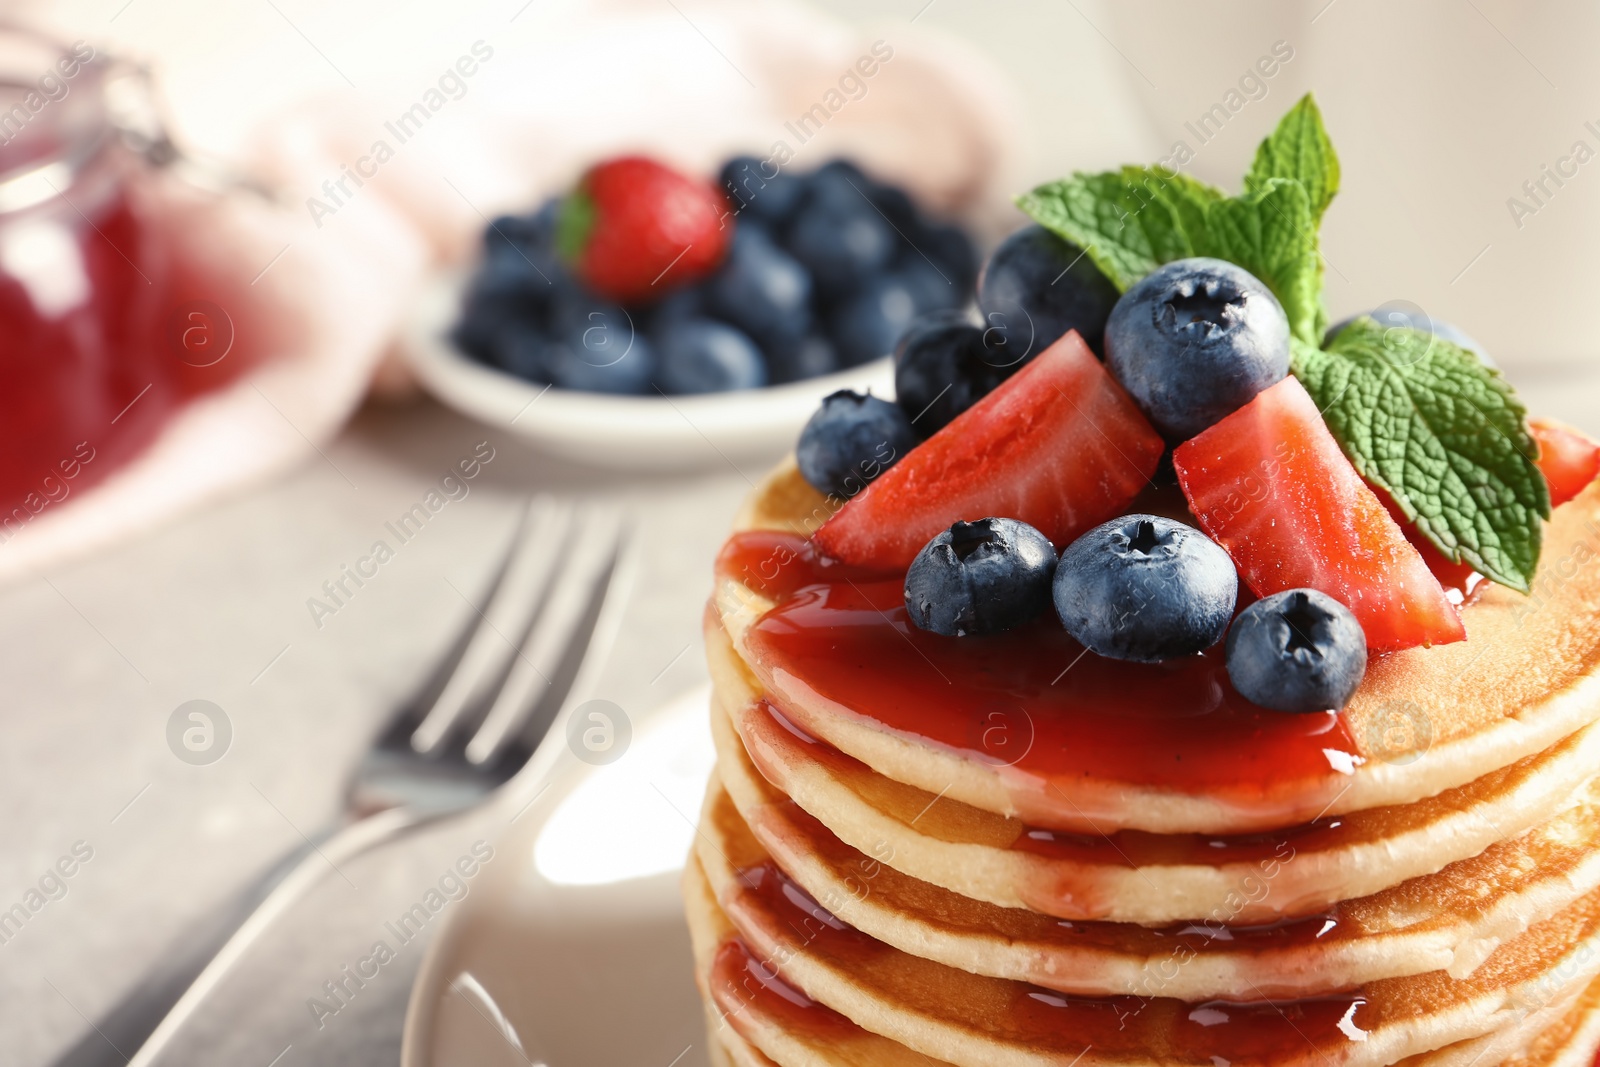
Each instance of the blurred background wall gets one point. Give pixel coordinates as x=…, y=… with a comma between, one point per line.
x=1442, y=110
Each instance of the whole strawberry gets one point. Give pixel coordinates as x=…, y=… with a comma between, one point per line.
x=634, y=229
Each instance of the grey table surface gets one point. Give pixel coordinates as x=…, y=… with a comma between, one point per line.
x=97, y=654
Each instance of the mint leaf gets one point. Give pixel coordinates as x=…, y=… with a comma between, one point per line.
x=1132, y=220
x=1271, y=234
x=1299, y=149
x=1128, y=222
x=1443, y=434
x=1188, y=199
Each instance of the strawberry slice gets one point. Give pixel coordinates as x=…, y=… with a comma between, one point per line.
x=1058, y=445
x=1569, y=458
x=1457, y=579
x=1270, y=484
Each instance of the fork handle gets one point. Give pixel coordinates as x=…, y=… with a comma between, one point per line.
x=153, y=1013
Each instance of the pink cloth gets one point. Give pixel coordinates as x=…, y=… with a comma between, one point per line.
x=378, y=187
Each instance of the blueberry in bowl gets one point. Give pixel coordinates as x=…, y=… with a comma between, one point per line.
x=649, y=319
x=761, y=191
x=843, y=242
x=621, y=366
x=813, y=273
x=795, y=359
x=869, y=323
x=761, y=289
x=700, y=355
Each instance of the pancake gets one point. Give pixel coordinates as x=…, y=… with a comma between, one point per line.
x=919, y=850
x=1512, y=1044
x=1570, y=1042
x=976, y=1021
x=757, y=1017
x=766, y=1013
x=1449, y=921
x=1135, y=877
x=1527, y=677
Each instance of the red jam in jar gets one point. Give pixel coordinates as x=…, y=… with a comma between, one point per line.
x=102, y=332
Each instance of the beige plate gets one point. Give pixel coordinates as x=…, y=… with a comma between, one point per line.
x=571, y=950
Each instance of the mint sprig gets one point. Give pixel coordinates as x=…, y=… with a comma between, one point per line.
x=1270, y=233
x=1130, y=221
x=1444, y=434
x=1299, y=149
x=1418, y=417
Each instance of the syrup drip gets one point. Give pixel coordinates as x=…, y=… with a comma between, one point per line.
x=743, y=986
x=788, y=924
x=1059, y=724
x=1327, y=926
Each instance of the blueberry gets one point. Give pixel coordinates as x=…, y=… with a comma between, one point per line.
x=940, y=370
x=511, y=267
x=851, y=440
x=509, y=283
x=842, y=167
x=489, y=319
x=839, y=183
x=760, y=190
x=841, y=244
x=895, y=203
x=1195, y=340
x=617, y=365
x=932, y=287
x=951, y=249
x=500, y=301
x=524, y=242
x=868, y=324
x=795, y=359
x=602, y=353
x=688, y=302
x=533, y=230
x=524, y=353
x=572, y=306
x=705, y=356
x=513, y=277
x=749, y=227
x=1145, y=588
x=1299, y=650
x=761, y=289
x=1400, y=313
x=980, y=578
x=1037, y=287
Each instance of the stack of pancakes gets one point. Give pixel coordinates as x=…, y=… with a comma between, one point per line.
x=863, y=895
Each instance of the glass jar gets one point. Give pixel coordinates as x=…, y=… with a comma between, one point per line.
x=101, y=337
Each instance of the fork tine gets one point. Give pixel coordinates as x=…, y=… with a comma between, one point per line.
x=546, y=752
x=503, y=621
x=594, y=553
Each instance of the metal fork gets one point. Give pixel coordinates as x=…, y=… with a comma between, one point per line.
x=524, y=660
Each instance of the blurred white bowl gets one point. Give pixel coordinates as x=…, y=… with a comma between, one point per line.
x=623, y=432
